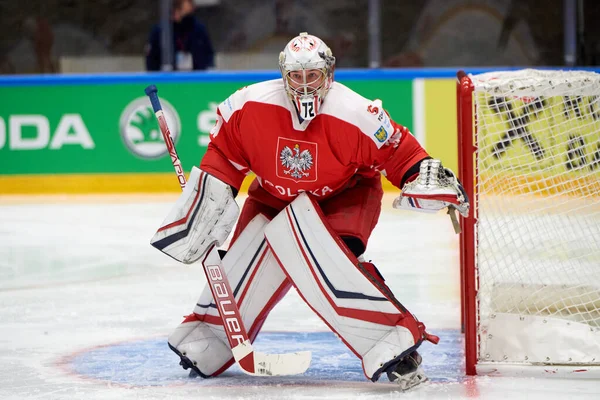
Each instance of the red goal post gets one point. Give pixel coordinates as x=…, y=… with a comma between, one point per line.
x=529, y=159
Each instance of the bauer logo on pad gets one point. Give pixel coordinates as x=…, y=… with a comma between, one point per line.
x=297, y=160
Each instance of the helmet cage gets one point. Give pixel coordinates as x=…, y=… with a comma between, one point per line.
x=307, y=92
x=305, y=81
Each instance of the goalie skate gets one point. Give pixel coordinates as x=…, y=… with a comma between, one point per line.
x=408, y=372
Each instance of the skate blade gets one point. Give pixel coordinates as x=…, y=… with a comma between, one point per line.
x=412, y=380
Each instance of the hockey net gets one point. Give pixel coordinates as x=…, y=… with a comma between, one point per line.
x=529, y=155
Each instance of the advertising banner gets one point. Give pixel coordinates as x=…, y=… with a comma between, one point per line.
x=103, y=128
x=110, y=128
x=439, y=113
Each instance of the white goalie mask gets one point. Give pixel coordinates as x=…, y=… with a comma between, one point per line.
x=307, y=65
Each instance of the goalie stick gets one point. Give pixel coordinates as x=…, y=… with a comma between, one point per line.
x=251, y=362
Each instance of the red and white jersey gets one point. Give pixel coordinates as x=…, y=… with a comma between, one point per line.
x=258, y=130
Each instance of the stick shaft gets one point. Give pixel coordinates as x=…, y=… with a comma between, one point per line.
x=217, y=280
x=454, y=219
x=152, y=92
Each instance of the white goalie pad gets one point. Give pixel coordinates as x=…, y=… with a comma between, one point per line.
x=375, y=326
x=204, y=213
x=257, y=282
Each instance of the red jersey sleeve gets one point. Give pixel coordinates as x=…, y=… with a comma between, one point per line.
x=385, y=145
x=398, y=155
x=225, y=158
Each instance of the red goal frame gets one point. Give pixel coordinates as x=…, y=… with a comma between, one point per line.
x=467, y=175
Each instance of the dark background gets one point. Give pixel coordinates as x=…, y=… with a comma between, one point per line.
x=35, y=34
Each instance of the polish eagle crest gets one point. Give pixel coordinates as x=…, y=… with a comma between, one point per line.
x=296, y=161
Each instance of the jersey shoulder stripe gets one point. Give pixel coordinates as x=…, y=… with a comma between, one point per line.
x=268, y=92
x=367, y=115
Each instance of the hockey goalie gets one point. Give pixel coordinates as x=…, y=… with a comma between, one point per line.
x=318, y=150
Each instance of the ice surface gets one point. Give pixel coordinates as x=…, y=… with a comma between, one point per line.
x=87, y=305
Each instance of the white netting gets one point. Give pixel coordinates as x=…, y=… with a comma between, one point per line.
x=538, y=229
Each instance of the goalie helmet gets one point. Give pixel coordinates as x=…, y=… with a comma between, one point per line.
x=307, y=65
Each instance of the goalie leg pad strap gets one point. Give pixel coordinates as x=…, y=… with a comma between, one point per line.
x=258, y=284
x=204, y=213
x=353, y=303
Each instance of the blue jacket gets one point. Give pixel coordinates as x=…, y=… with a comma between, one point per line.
x=189, y=35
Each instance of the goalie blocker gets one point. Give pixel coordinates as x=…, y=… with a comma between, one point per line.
x=204, y=214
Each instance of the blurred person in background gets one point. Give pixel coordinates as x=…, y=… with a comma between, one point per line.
x=38, y=29
x=192, y=47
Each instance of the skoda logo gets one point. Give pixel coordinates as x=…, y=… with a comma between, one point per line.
x=139, y=128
